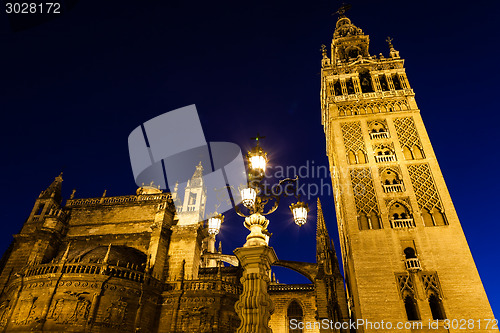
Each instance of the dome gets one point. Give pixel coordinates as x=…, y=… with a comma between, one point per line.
x=344, y=28
x=146, y=189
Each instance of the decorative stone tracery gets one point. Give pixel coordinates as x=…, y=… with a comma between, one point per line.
x=379, y=106
x=365, y=198
x=408, y=138
x=353, y=142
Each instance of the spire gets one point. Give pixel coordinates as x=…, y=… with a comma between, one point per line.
x=325, y=251
x=197, y=179
x=54, y=190
x=320, y=223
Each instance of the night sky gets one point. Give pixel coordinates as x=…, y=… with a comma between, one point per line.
x=74, y=87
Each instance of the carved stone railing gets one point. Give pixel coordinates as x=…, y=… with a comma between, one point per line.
x=91, y=269
x=385, y=158
x=208, y=285
x=392, y=188
x=379, y=135
x=402, y=223
x=413, y=264
x=291, y=287
x=119, y=199
x=377, y=94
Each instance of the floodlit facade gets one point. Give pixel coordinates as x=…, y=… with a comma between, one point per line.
x=404, y=253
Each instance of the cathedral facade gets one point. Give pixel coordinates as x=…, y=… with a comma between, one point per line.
x=136, y=263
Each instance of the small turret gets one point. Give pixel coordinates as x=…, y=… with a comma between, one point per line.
x=54, y=190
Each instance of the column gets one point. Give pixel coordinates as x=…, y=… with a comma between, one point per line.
x=404, y=81
x=343, y=86
x=255, y=305
x=388, y=77
x=376, y=82
x=356, y=84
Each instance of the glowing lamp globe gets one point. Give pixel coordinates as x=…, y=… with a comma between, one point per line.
x=214, y=224
x=248, y=196
x=299, y=211
x=257, y=159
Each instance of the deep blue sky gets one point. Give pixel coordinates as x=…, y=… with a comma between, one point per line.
x=73, y=88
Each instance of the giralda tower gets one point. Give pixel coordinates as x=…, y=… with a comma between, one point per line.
x=404, y=252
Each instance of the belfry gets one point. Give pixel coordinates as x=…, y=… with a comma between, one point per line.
x=404, y=253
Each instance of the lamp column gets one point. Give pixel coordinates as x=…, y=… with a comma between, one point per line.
x=255, y=305
x=256, y=256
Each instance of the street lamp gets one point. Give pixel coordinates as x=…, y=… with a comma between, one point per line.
x=257, y=159
x=213, y=229
x=214, y=224
x=255, y=305
x=299, y=211
x=248, y=196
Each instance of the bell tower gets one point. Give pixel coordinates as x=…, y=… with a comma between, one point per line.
x=404, y=253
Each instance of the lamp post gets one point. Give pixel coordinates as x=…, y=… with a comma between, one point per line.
x=213, y=230
x=256, y=256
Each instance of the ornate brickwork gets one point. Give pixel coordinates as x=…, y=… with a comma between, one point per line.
x=384, y=146
x=423, y=185
x=431, y=283
x=403, y=200
x=405, y=283
x=364, y=192
x=407, y=132
x=379, y=106
x=353, y=139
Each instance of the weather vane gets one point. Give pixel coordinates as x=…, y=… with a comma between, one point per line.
x=342, y=10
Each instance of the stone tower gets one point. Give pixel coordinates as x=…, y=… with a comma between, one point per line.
x=404, y=252
x=188, y=234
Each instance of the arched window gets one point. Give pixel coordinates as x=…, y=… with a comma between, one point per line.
x=294, y=311
x=363, y=222
x=395, y=80
x=384, y=153
x=377, y=127
x=399, y=216
x=391, y=181
x=407, y=153
x=361, y=157
x=436, y=307
x=338, y=88
x=399, y=211
x=366, y=82
x=411, y=308
x=410, y=253
x=351, y=157
x=417, y=152
x=375, y=220
x=439, y=218
x=428, y=221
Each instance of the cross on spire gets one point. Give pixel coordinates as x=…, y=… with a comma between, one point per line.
x=258, y=137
